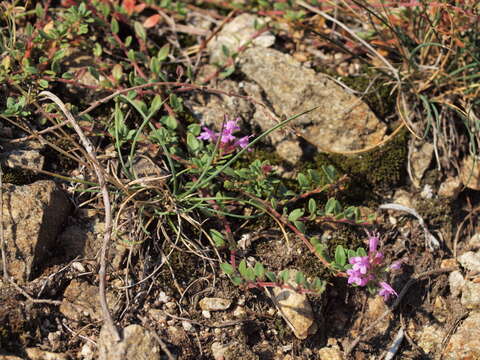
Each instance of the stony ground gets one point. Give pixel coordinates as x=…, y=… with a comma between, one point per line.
x=169, y=297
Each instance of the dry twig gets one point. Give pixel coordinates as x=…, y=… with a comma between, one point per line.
x=108, y=211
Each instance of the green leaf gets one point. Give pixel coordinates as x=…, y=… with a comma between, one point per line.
x=318, y=285
x=259, y=270
x=284, y=276
x=361, y=252
x=227, y=72
x=351, y=253
x=332, y=207
x=312, y=206
x=217, y=238
x=43, y=83
x=295, y=215
x=140, y=30
x=128, y=41
x=242, y=267
x=192, y=142
x=330, y=173
x=302, y=180
x=340, y=256
x=154, y=65
x=39, y=12
x=271, y=276
x=156, y=104
x=163, y=52
x=227, y=268
x=250, y=274
x=131, y=55
x=94, y=72
x=300, y=278
x=114, y=26
x=171, y=122
x=237, y=281
x=300, y=226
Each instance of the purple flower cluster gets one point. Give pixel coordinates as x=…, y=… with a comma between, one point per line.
x=228, y=141
x=366, y=270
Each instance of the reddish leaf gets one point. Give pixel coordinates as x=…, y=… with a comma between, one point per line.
x=139, y=8
x=129, y=6
x=152, y=21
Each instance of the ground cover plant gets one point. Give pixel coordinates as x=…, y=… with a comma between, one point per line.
x=106, y=88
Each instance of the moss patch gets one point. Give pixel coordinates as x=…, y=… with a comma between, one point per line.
x=379, y=169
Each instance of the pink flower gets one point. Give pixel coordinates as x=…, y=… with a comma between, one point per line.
x=354, y=276
x=207, y=134
x=228, y=141
x=360, y=263
x=373, y=241
x=396, y=265
x=386, y=290
x=242, y=142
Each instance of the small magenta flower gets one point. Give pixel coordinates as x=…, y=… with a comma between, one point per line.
x=396, y=265
x=228, y=141
x=355, y=276
x=373, y=240
x=369, y=270
x=386, y=290
x=360, y=264
x=243, y=142
x=207, y=134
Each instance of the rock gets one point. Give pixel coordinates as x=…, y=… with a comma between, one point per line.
x=375, y=308
x=456, y=282
x=215, y=304
x=295, y=309
x=237, y=33
x=88, y=351
x=240, y=312
x=81, y=299
x=403, y=197
x=448, y=263
x=10, y=357
x=232, y=351
x=470, y=173
x=474, y=241
x=470, y=261
x=430, y=338
x=471, y=295
x=206, y=314
x=20, y=158
x=177, y=336
x=450, y=188
x=37, y=354
x=420, y=159
x=32, y=217
x=465, y=343
x=158, y=316
x=341, y=123
x=330, y=353
x=210, y=109
x=137, y=344
x=187, y=326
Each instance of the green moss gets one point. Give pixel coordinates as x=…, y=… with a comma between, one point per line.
x=379, y=97
x=17, y=176
x=379, y=169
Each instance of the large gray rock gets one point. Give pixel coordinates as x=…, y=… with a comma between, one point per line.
x=341, y=123
x=32, y=217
